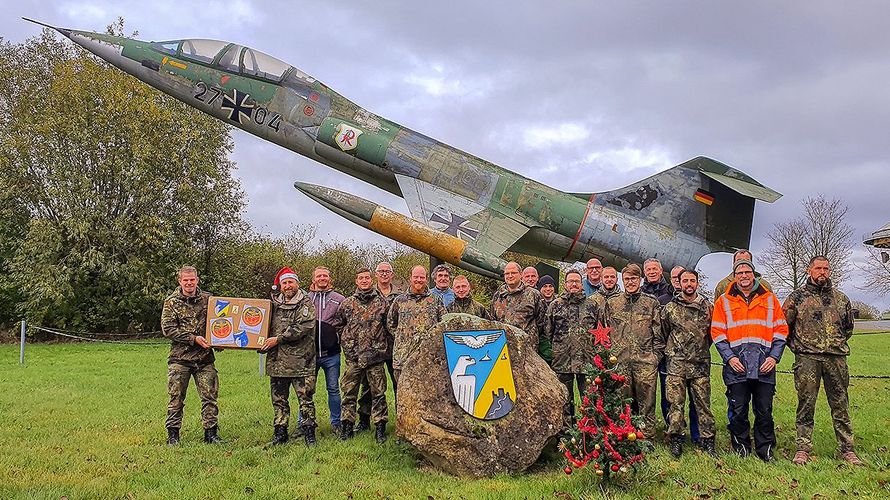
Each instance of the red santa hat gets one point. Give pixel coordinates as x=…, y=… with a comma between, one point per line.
x=283, y=274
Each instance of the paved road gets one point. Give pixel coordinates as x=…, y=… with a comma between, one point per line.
x=873, y=325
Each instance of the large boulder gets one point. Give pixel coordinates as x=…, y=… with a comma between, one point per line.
x=430, y=418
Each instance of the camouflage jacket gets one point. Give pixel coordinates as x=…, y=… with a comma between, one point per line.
x=686, y=336
x=820, y=320
x=569, y=318
x=601, y=295
x=522, y=308
x=394, y=292
x=409, y=314
x=468, y=306
x=293, y=322
x=361, y=323
x=635, y=320
x=182, y=319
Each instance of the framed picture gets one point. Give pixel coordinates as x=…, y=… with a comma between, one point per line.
x=237, y=323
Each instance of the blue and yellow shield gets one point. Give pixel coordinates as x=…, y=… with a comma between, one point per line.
x=481, y=374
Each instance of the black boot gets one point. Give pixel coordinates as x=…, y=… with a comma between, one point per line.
x=309, y=435
x=364, y=423
x=211, y=436
x=707, y=445
x=346, y=431
x=675, y=445
x=280, y=436
x=172, y=436
x=380, y=432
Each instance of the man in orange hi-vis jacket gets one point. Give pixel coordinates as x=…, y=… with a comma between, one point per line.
x=749, y=331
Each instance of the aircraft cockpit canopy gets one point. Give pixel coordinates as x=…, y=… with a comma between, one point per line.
x=227, y=56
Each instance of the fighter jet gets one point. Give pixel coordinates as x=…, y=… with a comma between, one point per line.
x=464, y=210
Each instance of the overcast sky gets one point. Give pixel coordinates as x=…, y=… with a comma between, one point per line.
x=580, y=95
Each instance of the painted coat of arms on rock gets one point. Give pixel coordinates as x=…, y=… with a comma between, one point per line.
x=481, y=374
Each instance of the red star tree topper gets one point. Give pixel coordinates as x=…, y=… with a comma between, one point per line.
x=604, y=436
x=601, y=335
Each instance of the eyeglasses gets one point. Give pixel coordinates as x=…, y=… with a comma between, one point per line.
x=594, y=267
x=631, y=278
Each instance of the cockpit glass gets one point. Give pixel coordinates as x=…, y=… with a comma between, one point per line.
x=202, y=50
x=168, y=47
x=229, y=60
x=264, y=66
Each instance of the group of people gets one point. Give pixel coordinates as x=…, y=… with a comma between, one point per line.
x=660, y=331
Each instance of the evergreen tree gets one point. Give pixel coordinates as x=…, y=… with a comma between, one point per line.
x=605, y=436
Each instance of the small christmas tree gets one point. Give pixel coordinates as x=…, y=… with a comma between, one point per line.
x=604, y=436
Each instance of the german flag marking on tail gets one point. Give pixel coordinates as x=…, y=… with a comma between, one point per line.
x=704, y=197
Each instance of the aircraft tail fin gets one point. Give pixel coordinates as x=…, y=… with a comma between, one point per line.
x=700, y=197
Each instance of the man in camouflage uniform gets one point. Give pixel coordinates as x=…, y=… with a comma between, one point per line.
x=183, y=321
x=517, y=304
x=414, y=311
x=530, y=277
x=547, y=286
x=686, y=340
x=463, y=301
x=291, y=356
x=635, y=319
x=569, y=319
x=820, y=321
x=361, y=322
x=608, y=287
x=384, y=276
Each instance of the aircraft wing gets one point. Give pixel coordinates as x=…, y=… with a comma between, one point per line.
x=440, y=209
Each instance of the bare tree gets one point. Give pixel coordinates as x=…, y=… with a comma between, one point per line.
x=821, y=230
x=876, y=269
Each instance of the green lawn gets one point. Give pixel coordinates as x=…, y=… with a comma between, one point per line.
x=86, y=421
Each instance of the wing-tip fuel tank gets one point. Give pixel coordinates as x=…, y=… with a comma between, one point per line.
x=464, y=210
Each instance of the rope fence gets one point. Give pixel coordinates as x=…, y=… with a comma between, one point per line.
x=64, y=334
x=789, y=372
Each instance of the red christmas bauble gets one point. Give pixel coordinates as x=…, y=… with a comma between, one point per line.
x=567, y=470
x=596, y=454
x=615, y=468
x=597, y=381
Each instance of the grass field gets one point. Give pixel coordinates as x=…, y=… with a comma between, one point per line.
x=87, y=421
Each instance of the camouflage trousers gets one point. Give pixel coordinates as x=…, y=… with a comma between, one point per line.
x=700, y=388
x=350, y=382
x=642, y=379
x=569, y=380
x=364, y=401
x=207, y=383
x=809, y=371
x=305, y=389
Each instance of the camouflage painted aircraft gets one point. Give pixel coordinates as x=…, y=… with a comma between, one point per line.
x=464, y=210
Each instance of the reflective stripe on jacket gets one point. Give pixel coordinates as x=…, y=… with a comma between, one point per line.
x=749, y=330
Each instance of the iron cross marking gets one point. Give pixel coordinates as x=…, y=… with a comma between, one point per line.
x=237, y=105
x=455, y=225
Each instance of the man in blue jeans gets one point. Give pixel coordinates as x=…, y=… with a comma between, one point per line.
x=327, y=344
